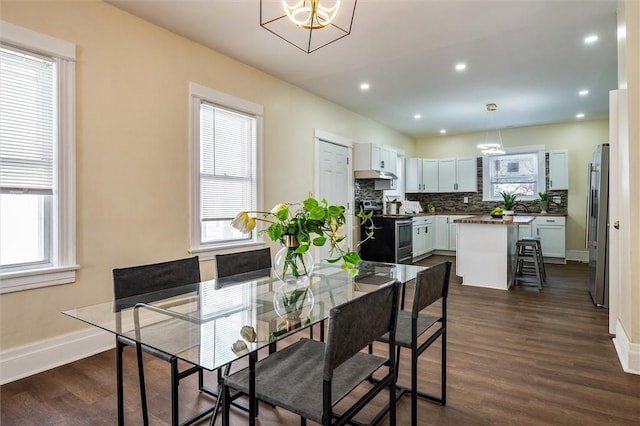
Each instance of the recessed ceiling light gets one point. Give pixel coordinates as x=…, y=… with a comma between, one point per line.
x=584, y=92
x=581, y=115
x=461, y=66
x=417, y=116
x=591, y=39
x=364, y=86
x=443, y=131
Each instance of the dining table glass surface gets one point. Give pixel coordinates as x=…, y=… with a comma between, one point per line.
x=213, y=323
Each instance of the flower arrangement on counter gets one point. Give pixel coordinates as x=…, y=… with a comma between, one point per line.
x=298, y=226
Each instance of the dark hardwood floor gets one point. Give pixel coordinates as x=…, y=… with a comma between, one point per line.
x=518, y=357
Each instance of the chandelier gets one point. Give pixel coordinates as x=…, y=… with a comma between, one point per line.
x=493, y=140
x=308, y=24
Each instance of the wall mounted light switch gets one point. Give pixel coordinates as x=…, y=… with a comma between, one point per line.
x=466, y=200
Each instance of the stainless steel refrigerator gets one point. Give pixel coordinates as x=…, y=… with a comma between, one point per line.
x=597, y=237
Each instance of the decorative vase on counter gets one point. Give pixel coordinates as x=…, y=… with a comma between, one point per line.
x=507, y=215
x=544, y=205
x=290, y=266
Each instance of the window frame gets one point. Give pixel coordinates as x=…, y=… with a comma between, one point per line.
x=539, y=150
x=197, y=94
x=61, y=269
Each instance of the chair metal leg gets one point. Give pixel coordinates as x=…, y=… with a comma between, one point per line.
x=119, y=382
x=414, y=385
x=143, y=389
x=443, y=372
x=174, y=391
x=226, y=405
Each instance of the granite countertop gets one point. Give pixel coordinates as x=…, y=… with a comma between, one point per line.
x=486, y=219
x=443, y=213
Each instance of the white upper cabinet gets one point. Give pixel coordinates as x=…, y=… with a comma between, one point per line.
x=559, y=169
x=421, y=175
x=371, y=156
x=458, y=175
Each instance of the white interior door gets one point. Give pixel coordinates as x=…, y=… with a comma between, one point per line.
x=334, y=182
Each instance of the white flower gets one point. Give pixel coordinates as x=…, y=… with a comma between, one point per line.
x=244, y=223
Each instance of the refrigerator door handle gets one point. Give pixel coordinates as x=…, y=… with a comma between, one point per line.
x=588, y=209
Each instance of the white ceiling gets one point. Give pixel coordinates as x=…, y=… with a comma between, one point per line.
x=527, y=56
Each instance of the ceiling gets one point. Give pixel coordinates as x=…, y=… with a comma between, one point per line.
x=527, y=56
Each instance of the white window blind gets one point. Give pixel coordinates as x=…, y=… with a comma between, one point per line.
x=227, y=139
x=27, y=122
x=520, y=171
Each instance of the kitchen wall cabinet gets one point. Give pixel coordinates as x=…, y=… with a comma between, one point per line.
x=421, y=175
x=371, y=156
x=458, y=175
x=558, y=170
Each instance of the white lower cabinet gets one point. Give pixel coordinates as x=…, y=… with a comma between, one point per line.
x=446, y=235
x=552, y=233
x=442, y=233
x=422, y=236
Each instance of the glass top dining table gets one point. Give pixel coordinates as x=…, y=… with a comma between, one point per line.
x=213, y=323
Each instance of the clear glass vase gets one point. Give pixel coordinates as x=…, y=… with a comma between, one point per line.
x=291, y=267
x=293, y=303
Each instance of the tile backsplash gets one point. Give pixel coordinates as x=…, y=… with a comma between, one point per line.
x=454, y=201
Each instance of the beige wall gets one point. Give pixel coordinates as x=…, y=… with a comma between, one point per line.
x=579, y=137
x=132, y=148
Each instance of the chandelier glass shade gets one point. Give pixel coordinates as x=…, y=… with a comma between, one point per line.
x=493, y=140
x=308, y=24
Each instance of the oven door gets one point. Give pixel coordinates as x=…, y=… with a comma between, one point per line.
x=404, y=241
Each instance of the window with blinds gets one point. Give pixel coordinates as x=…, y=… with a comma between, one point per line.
x=28, y=140
x=227, y=171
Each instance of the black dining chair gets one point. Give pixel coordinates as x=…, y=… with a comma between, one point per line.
x=431, y=285
x=228, y=266
x=167, y=277
x=310, y=377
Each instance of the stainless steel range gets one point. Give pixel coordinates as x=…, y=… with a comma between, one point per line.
x=393, y=236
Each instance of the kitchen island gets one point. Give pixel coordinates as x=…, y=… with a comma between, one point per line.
x=486, y=249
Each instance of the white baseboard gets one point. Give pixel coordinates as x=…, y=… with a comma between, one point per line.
x=578, y=255
x=24, y=361
x=628, y=352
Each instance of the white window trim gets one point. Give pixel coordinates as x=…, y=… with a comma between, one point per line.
x=197, y=93
x=542, y=172
x=64, y=250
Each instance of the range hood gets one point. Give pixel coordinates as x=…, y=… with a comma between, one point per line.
x=374, y=174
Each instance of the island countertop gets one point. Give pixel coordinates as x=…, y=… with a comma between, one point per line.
x=488, y=220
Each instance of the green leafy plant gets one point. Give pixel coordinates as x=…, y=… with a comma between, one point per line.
x=302, y=225
x=510, y=201
x=544, y=197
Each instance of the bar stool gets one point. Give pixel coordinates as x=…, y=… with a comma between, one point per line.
x=529, y=261
x=540, y=257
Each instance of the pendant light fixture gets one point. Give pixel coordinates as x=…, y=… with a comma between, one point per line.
x=493, y=140
x=308, y=24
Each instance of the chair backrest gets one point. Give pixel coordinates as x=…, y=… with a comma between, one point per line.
x=355, y=324
x=143, y=279
x=431, y=285
x=242, y=262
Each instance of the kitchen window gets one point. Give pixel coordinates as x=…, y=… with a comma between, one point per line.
x=37, y=153
x=225, y=167
x=521, y=170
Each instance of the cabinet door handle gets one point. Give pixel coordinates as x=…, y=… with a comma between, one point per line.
x=551, y=220
x=426, y=230
x=550, y=183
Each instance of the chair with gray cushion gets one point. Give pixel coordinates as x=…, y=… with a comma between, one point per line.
x=252, y=263
x=242, y=262
x=166, y=278
x=310, y=377
x=431, y=285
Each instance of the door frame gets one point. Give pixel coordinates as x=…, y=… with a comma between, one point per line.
x=324, y=136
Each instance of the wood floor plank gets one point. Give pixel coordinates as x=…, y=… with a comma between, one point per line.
x=519, y=357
